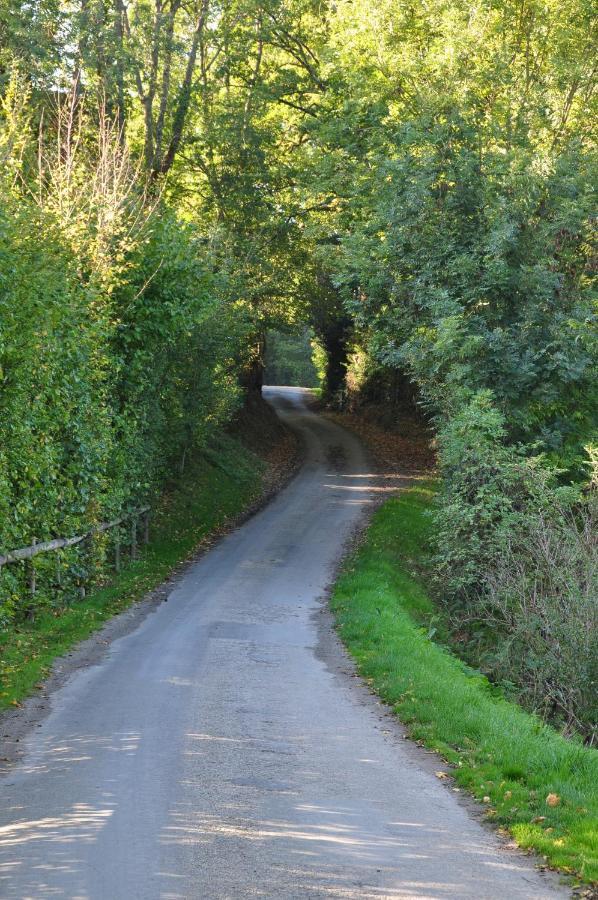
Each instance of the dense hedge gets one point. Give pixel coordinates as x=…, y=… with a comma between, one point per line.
x=119, y=357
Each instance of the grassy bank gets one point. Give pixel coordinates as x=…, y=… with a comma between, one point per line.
x=216, y=486
x=541, y=786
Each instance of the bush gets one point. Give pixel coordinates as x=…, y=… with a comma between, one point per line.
x=517, y=567
x=485, y=488
x=541, y=595
x=119, y=356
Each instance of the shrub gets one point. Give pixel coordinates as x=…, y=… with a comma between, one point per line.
x=541, y=595
x=485, y=489
x=119, y=354
x=516, y=567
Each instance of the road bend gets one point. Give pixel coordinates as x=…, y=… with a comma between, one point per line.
x=222, y=749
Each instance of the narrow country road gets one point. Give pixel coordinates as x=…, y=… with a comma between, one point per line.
x=221, y=750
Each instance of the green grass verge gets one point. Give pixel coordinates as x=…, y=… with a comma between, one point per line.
x=216, y=486
x=503, y=755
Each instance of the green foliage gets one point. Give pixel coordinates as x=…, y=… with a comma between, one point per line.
x=540, y=594
x=288, y=359
x=499, y=752
x=517, y=564
x=462, y=229
x=487, y=485
x=119, y=356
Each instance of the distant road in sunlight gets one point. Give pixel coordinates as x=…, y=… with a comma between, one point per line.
x=222, y=750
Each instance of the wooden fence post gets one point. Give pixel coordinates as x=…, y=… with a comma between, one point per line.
x=32, y=584
x=27, y=554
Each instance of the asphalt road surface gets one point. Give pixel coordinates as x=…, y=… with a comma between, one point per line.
x=222, y=750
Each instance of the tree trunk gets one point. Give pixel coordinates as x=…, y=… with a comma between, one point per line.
x=252, y=376
x=336, y=346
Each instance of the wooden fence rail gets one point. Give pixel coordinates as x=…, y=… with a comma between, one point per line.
x=60, y=543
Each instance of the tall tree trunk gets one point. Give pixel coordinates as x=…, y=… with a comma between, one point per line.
x=184, y=98
x=336, y=346
x=165, y=86
x=120, y=73
x=252, y=376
